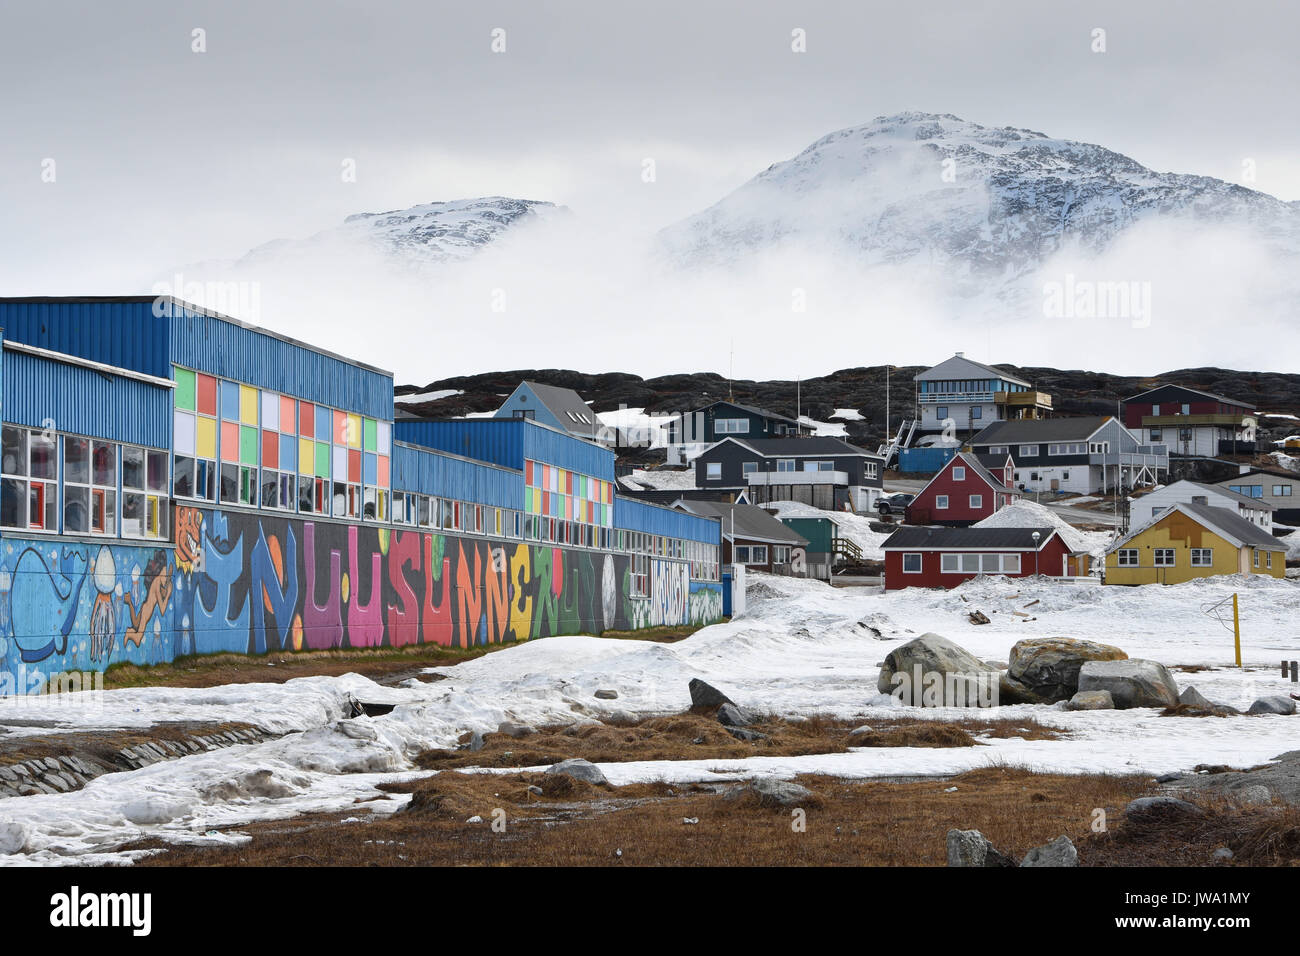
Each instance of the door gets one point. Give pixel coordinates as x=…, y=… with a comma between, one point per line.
x=1056, y=484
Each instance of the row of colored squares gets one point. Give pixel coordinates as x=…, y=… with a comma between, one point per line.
x=562, y=481
x=240, y=403
x=197, y=438
x=566, y=507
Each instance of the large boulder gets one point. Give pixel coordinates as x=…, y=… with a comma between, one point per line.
x=1060, y=852
x=1047, y=668
x=933, y=671
x=1131, y=683
x=972, y=848
x=579, y=769
x=1278, y=704
x=706, y=695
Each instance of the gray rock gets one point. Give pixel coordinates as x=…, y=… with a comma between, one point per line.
x=1281, y=776
x=1273, y=705
x=1191, y=697
x=706, y=695
x=729, y=715
x=1223, y=853
x=1132, y=683
x=780, y=793
x=972, y=848
x=1145, y=811
x=744, y=733
x=1060, y=852
x=607, y=695
x=932, y=669
x=579, y=769
x=1255, y=795
x=1167, y=777
x=1091, y=700
x=474, y=744
x=512, y=729
x=1048, y=667
x=7, y=773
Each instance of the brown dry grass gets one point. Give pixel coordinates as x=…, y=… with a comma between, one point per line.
x=381, y=664
x=1266, y=835
x=849, y=823
x=698, y=736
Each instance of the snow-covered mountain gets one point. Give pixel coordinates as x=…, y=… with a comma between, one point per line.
x=979, y=203
x=433, y=232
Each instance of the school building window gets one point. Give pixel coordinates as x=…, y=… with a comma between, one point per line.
x=29, y=482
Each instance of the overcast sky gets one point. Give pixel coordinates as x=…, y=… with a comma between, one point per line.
x=164, y=156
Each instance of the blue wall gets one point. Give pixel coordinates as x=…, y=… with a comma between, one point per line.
x=507, y=442
x=81, y=401
x=631, y=514
x=924, y=460
x=435, y=473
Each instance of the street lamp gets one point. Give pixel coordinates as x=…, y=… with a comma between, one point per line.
x=1036, y=536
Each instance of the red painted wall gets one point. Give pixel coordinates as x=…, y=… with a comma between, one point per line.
x=1134, y=412
x=922, y=510
x=1051, y=562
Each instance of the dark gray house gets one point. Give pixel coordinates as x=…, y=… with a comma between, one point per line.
x=1081, y=455
x=827, y=473
x=692, y=432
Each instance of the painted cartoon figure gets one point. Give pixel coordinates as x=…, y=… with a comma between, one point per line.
x=158, y=593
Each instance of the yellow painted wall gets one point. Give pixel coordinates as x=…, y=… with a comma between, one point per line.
x=1181, y=533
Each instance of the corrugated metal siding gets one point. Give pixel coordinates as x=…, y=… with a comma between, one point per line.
x=125, y=334
x=633, y=515
x=84, y=401
x=508, y=442
x=222, y=348
x=430, y=473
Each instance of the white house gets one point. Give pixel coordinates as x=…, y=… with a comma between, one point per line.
x=1145, y=509
x=972, y=395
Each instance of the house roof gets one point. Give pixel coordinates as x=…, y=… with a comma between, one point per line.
x=913, y=538
x=1038, y=431
x=994, y=461
x=1227, y=524
x=1195, y=391
x=565, y=404
x=1256, y=503
x=808, y=447
x=753, y=410
x=959, y=367
x=1293, y=476
x=749, y=522
x=978, y=468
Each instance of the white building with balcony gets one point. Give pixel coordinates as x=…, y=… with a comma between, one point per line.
x=970, y=396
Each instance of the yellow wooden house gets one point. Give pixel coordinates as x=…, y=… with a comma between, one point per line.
x=1193, y=541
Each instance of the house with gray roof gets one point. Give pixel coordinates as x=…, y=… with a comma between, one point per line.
x=826, y=473
x=963, y=396
x=1083, y=455
x=558, y=407
x=1255, y=510
x=753, y=537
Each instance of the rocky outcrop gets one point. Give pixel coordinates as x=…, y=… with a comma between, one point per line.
x=1060, y=852
x=1091, y=700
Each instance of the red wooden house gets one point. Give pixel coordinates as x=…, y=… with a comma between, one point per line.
x=963, y=492
x=945, y=557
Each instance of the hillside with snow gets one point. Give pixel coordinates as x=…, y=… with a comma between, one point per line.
x=989, y=205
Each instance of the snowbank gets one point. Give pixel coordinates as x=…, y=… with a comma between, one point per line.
x=1030, y=514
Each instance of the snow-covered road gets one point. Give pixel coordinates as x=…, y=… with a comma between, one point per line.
x=801, y=649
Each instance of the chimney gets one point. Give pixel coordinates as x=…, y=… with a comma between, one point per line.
x=961, y=354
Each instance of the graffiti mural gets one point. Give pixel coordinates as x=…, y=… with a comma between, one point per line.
x=248, y=583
